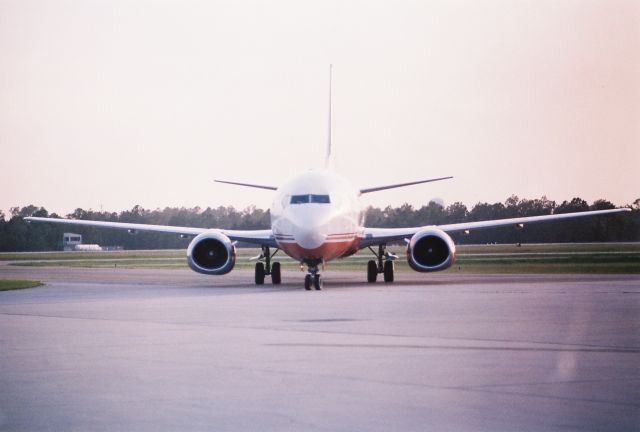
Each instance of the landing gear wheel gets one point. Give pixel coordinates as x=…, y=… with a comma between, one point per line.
x=275, y=273
x=259, y=273
x=317, y=282
x=372, y=271
x=388, y=271
x=307, y=282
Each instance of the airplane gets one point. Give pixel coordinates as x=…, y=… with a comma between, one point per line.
x=316, y=217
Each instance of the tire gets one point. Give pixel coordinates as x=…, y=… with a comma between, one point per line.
x=317, y=282
x=259, y=273
x=307, y=282
x=388, y=271
x=372, y=271
x=276, y=276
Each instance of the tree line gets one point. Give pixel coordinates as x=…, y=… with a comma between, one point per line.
x=18, y=235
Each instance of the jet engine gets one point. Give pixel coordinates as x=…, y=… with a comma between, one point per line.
x=431, y=250
x=211, y=253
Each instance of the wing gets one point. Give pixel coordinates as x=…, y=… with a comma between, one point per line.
x=259, y=237
x=373, y=236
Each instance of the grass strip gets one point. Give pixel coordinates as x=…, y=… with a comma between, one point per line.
x=535, y=258
x=13, y=284
x=510, y=249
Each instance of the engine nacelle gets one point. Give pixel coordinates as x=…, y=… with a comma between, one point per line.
x=431, y=250
x=211, y=253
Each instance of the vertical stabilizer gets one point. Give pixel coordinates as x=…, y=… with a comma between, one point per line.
x=328, y=158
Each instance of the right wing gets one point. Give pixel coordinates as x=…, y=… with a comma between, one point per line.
x=375, y=236
x=259, y=237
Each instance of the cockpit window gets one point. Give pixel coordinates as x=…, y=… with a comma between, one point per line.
x=306, y=199
x=320, y=199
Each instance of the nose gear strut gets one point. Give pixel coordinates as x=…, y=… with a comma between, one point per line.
x=313, y=278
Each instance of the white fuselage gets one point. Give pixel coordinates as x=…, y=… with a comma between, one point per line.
x=316, y=217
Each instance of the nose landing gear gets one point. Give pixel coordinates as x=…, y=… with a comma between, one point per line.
x=313, y=278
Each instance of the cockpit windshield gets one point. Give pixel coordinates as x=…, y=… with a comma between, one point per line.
x=306, y=199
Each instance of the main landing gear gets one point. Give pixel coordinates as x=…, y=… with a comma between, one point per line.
x=383, y=265
x=264, y=267
x=313, y=278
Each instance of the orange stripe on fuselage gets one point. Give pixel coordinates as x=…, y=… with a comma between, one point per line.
x=326, y=252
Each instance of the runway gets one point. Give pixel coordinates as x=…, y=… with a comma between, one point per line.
x=148, y=350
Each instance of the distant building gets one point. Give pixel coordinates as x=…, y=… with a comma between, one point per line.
x=70, y=240
x=87, y=247
x=73, y=242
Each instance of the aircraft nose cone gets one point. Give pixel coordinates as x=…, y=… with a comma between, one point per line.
x=309, y=238
x=310, y=225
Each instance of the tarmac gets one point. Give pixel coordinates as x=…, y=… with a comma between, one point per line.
x=156, y=350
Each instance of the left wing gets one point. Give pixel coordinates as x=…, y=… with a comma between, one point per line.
x=373, y=236
x=259, y=237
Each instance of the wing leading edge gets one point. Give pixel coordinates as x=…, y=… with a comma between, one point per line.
x=372, y=236
x=259, y=237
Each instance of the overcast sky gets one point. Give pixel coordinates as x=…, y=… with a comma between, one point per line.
x=116, y=103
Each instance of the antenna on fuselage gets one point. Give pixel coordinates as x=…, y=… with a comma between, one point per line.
x=327, y=160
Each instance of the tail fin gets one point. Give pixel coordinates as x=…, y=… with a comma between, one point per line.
x=328, y=161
